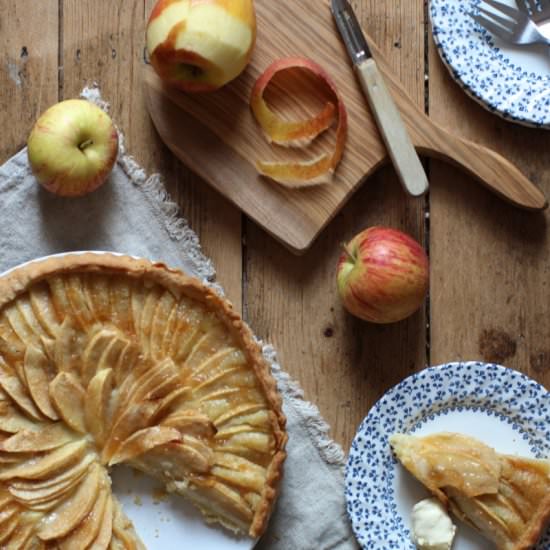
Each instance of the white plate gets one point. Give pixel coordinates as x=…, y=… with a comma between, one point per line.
x=512, y=81
x=161, y=520
x=502, y=407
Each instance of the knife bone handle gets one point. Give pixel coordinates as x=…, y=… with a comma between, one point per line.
x=400, y=148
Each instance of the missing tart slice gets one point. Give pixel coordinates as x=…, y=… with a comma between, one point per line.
x=105, y=360
x=506, y=498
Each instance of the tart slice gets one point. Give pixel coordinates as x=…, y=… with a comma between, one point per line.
x=506, y=498
x=107, y=360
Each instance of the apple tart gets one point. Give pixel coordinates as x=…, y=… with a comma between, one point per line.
x=506, y=498
x=106, y=360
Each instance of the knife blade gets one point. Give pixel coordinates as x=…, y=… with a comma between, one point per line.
x=392, y=128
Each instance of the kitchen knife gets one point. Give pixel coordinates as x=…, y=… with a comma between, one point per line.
x=400, y=148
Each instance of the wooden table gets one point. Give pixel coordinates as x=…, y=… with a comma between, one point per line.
x=490, y=280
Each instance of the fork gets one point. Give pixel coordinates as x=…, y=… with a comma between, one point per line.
x=538, y=11
x=509, y=24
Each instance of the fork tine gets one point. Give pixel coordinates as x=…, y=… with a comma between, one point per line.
x=533, y=6
x=523, y=6
x=493, y=28
x=504, y=22
x=508, y=10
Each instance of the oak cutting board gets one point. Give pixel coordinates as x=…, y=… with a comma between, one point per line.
x=216, y=136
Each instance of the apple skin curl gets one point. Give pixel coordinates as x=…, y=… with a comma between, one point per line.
x=299, y=133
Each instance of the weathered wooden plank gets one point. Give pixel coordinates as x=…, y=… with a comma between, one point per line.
x=490, y=261
x=344, y=364
x=28, y=72
x=107, y=46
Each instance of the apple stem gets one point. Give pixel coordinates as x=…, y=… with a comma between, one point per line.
x=85, y=144
x=348, y=252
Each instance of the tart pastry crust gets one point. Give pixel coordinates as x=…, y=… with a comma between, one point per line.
x=108, y=359
x=506, y=498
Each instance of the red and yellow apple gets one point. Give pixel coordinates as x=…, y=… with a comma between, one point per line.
x=383, y=275
x=201, y=45
x=72, y=148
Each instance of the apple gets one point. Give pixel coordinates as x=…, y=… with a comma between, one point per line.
x=73, y=147
x=201, y=45
x=383, y=275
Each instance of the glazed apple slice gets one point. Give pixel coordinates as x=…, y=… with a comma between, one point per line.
x=313, y=171
x=22, y=538
x=48, y=464
x=143, y=441
x=51, y=436
x=7, y=529
x=171, y=401
x=190, y=422
x=88, y=530
x=12, y=386
x=37, y=495
x=43, y=309
x=68, y=398
x=73, y=510
x=134, y=418
x=97, y=400
x=70, y=474
x=123, y=530
x=105, y=533
x=12, y=419
x=239, y=472
x=36, y=368
x=166, y=305
x=93, y=351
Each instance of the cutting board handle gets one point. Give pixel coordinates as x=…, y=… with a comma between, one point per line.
x=490, y=168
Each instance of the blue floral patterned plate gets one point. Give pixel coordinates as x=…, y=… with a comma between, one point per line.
x=502, y=407
x=512, y=81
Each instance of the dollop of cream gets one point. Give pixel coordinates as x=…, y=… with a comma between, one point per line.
x=432, y=528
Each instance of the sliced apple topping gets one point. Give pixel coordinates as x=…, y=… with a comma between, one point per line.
x=97, y=370
x=43, y=309
x=190, y=422
x=88, y=529
x=37, y=370
x=132, y=419
x=94, y=350
x=74, y=509
x=13, y=387
x=123, y=530
x=49, y=437
x=98, y=396
x=7, y=529
x=48, y=464
x=105, y=533
x=12, y=419
x=143, y=441
x=71, y=474
x=299, y=134
x=68, y=398
x=25, y=539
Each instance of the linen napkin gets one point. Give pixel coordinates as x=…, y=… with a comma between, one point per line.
x=133, y=214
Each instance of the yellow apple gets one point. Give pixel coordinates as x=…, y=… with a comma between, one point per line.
x=201, y=45
x=73, y=147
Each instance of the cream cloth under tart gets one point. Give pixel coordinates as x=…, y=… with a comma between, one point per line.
x=107, y=359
